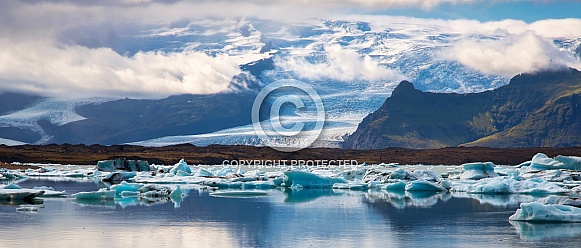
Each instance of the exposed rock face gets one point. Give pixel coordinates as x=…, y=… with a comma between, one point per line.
x=534, y=110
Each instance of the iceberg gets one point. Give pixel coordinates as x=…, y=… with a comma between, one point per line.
x=399, y=186
x=126, y=187
x=50, y=192
x=310, y=180
x=204, y=173
x=506, y=185
x=561, y=200
x=106, y=165
x=401, y=174
x=543, y=162
x=478, y=170
x=355, y=185
x=102, y=193
x=118, y=176
x=259, y=185
x=423, y=185
x=427, y=175
x=538, y=212
x=181, y=166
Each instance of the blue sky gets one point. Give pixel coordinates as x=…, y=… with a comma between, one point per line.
x=528, y=11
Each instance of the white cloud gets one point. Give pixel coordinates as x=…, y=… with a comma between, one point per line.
x=513, y=54
x=342, y=65
x=76, y=71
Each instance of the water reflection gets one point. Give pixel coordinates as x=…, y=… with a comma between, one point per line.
x=307, y=195
x=403, y=199
x=546, y=231
x=285, y=217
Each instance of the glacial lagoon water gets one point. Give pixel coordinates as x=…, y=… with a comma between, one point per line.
x=283, y=218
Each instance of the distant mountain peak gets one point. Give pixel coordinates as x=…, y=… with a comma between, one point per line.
x=540, y=109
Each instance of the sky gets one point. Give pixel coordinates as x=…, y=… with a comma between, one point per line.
x=528, y=11
x=41, y=52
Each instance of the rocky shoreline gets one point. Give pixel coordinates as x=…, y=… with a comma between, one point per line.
x=217, y=154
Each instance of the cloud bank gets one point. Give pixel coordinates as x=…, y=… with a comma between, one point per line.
x=507, y=57
x=76, y=71
x=516, y=47
x=341, y=65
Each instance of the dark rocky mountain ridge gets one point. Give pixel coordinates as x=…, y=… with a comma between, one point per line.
x=541, y=109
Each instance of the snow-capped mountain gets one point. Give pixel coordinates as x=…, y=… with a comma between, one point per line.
x=352, y=64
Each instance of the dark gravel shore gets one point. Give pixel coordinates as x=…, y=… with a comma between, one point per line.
x=217, y=154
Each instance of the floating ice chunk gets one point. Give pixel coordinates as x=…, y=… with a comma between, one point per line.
x=351, y=175
x=224, y=172
x=543, y=162
x=504, y=185
x=126, y=187
x=221, y=183
x=259, y=185
x=102, y=193
x=561, y=200
x=6, y=174
x=240, y=193
x=50, y=192
x=538, y=212
x=129, y=194
x=423, y=185
x=401, y=174
x=118, y=176
x=182, y=173
x=183, y=166
x=478, y=170
x=427, y=175
x=399, y=186
x=570, y=162
x=356, y=185
x=376, y=176
x=524, y=164
x=310, y=180
x=204, y=173
x=19, y=194
x=446, y=184
x=11, y=186
x=106, y=165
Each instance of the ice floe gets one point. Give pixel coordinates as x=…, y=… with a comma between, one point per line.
x=507, y=185
x=476, y=171
x=539, y=212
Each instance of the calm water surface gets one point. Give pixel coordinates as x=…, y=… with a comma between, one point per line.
x=285, y=218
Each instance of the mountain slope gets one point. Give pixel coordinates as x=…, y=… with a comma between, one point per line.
x=539, y=109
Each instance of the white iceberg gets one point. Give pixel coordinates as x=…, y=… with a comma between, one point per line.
x=538, y=212
x=126, y=187
x=508, y=185
x=181, y=166
x=355, y=185
x=102, y=193
x=543, y=162
x=478, y=170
